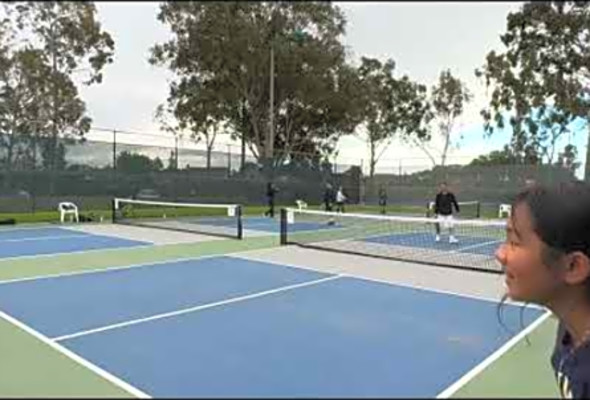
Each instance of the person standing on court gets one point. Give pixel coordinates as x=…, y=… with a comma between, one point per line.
x=328, y=197
x=443, y=210
x=271, y=191
x=382, y=198
x=340, y=199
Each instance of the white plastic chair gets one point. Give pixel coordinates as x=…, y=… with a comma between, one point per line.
x=301, y=204
x=68, y=208
x=504, y=210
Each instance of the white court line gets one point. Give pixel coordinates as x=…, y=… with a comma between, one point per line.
x=474, y=246
x=30, y=226
x=65, y=253
x=194, y=309
x=75, y=357
x=448, y=392
x=81, y=235
x=381, y=280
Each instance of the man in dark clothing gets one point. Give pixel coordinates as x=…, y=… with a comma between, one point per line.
x=328, y=197
x=382, y=199
x=271, y=190
x=443, y=209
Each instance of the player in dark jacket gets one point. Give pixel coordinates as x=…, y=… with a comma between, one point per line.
x=271, y=191
x=382, y=198
x=443, y=209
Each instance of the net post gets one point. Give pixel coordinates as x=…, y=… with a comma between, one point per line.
x=283, y=226
x=478, y=208
x=240, y=226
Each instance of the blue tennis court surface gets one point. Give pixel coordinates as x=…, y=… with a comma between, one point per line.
x=231, y=327
x=53, y=240
x=467, y=244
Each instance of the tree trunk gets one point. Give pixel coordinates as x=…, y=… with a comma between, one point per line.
x=587, y=168
x=372, y=161
x=209, y=148
x=446, y=148
x=269, y=143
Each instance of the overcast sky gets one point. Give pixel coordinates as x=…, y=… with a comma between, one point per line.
x=423, y=39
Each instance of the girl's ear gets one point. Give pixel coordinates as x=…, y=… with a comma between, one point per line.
x=578, y=268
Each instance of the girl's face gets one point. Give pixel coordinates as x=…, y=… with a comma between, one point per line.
x=527, y=277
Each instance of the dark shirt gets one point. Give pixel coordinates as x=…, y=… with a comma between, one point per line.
x=572, y=370
x=271, y=191
x=329, y=196
x=443, y=204
x=382, y=196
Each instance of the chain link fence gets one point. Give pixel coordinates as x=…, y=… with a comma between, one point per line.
x=92, y=172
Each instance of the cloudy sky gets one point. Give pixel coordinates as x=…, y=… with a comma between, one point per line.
x=423, y=39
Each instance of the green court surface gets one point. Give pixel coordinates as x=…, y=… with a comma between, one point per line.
x=33, y=367
x=524, y=371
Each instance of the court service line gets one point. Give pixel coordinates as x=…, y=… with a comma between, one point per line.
x=43, y=238
x=75, y=357
x=449, y=391
x=474, y=246
x=194, y=309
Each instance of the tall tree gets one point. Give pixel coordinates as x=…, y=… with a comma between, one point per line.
x=540, y=78
x=391, y=107
x=449, y=97
x=232, y=47
x=378, y=85
x=70, y=39
x=195, y=111
x=22, y=88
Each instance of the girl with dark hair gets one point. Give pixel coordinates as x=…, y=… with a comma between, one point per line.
x=546, y=260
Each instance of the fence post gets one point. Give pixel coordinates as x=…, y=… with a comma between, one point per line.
x=114, y=150
x=228, y=160
x=283, y=226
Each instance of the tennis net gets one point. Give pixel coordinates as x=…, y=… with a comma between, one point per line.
x=468, y=209
x=412, y=239
x=211, y=219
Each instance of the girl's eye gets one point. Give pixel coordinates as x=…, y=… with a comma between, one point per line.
x=513, y=242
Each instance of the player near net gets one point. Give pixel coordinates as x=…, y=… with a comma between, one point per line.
x=271, y=191
x=329, y=199
x=444, y=203
x=382, y=198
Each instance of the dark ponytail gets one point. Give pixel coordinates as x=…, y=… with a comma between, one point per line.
x=560, y=217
